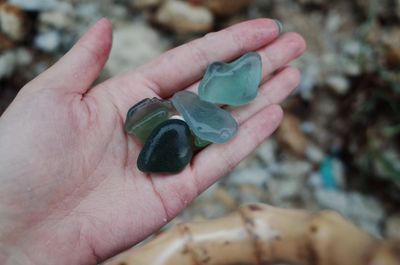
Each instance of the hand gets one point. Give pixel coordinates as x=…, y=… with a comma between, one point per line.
x=70, y=192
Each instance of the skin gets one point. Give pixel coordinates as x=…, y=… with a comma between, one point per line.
x=70, y=192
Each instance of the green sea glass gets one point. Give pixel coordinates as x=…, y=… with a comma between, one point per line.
x=206, y=120
x=168, y=149
x=143, y=117
x=232, y=84
x=200, y=143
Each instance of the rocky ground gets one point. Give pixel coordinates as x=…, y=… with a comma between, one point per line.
x=338, y=146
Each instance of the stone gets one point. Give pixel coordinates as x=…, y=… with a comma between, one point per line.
x=293, y=168
x=267, y=152
x=184, y=18
x=222, y=195
x=59, y=19
x=252, y=175
x=5, y=42
x=398, y=8
x=364, y=210
x=314, y=153
x=233, y=84
x=143, y=4
x=14, y=23
x=226, y=7
x=12, y=59
x=36, y=5
x=48, y=41
x=339, y=84
x=23, y=56
x=207, y=121
x=7, y=64
x=392, y=226
x=284, y=189
x=168, y=149
x=290, y=135
x=148, y=45
x=146, y=115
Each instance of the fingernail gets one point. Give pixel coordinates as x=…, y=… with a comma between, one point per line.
x=280, y=25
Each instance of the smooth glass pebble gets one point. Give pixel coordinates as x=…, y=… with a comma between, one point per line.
x=206, y=120
x=200, y=143
x=168, y=149
x=233, y=84
x=143, y=117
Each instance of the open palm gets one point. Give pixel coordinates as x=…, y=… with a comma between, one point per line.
x=70, y=191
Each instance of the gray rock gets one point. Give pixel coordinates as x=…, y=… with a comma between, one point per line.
x=398, y=8
x=7, y=64
x=332, y=199
x=183, y=17
x=282, y=189
x=13, y=22
x=57, y=19
x=315, y=181
x=23, y=56
x=392, y=226
x=267, y=152
x=255, y=176
x=48, y=41
x=36, y=5
x=391, y=165
x=309, y=77
x=142, y=4
x=363, y=210
x=338, y=83
x=295, y=168
x=314, y=153
x=134, y=45
x=11, y=59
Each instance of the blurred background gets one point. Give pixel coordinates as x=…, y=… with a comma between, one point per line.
x=338, y=146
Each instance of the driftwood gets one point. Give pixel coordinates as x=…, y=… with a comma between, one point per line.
x=261, y=234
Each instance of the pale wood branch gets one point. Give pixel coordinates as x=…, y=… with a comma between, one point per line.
x=261, y=234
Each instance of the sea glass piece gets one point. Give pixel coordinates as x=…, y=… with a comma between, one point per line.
x=143, y=117
x=207, y=121
x=200, y=143
x=168, y=149
x=233, y=84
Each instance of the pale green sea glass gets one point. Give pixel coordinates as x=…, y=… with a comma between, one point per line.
x=207, y=121
x=200, y=143
x=143, y=117
x=232, y=84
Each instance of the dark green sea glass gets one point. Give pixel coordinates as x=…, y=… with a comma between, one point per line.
x=143, y=117
x=206, y=120
x=232, y=84
x=168, y=149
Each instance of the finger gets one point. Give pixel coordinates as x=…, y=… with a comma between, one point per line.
x=184, y=65
x=217, y=160
x=76, y=71
x=278, y=54
x=274, y=91
x=281, y=52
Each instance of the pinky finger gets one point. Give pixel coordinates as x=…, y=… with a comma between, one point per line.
x=217, y=160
